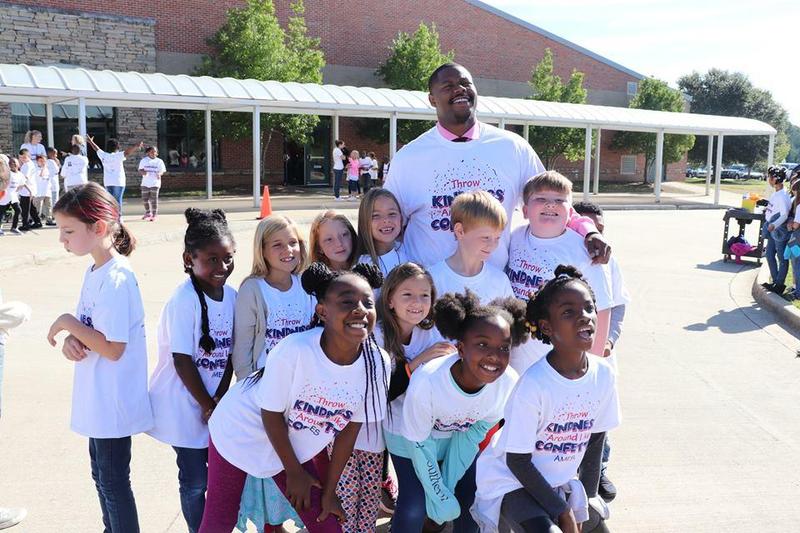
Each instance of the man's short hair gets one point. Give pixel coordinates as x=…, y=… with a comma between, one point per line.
x=588, y=208
x=337, y=143
x=435, y=74
x=477, y=208
x=549, y=180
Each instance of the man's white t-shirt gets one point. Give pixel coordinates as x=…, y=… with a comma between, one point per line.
x=552, y=418
x=75, y=170
x=429, y=172
x=109, y=398
x=488, y=284
x=316, y=396
x=29, y=171
x=177, y=415
x=338, y=163
x=113, y=169
x=532, y=263
x=154, y=168
x=288, y=312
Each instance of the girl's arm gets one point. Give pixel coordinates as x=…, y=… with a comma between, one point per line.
x=90, y=140
x=187, y=371
x=298, y=481
x=245, y=318
x=437, y=350
x=225, y=383
x=133, y=148
x=91, y=338
x=342, y=450
x=536, y=485
x=590, y=467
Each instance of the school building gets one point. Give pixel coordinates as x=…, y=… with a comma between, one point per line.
x=170, y=37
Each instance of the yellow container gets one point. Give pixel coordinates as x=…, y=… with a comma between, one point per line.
x=748, y=204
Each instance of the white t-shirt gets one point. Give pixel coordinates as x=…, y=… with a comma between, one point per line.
x=532, y=263
x=436, y=406
x=488, y=284
x=387, y=261
x=75, y=170
x=364, y=164
x=177, y=415
x=113, y=169
x=109, y=398
x=28, y=170
x=316, y=396
x=287, y=313
x=373, y=170
x=552, y=418
x=15, y=179
x=34, y=149
x=619, y=292
x=54, y=169
x=154, y=168
x=779, y=203
x=338, y=163
x=43, y=182
x=429, y=172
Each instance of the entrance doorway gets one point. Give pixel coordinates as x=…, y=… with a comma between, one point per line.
x=309, y=164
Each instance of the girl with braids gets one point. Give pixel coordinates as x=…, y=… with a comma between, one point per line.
x=333, y=241
x=449, y=406
x=106, y=341
x=317, y=386
x=194, y=342
x=557, y=416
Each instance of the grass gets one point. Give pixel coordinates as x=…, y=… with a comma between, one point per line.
x=628, y=188
x=736, y=186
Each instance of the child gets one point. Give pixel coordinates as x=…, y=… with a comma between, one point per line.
x=317, y=386
x=27, y=192
x=559, y=411
x=546, y=242
x=373, y=170
x=271, y=305
x=107, y=343
x=43, y=190
x=33, y=144
x=151, y=168
x=450, y=405
x=75, y=169
x=364, y=166
x=353, y=173
x=776, y=214
x=11, y=197
x=478, y=222
x=194, y=342
x=113, y=167
x=54, y=165
x=379, y=225
x=332, y=241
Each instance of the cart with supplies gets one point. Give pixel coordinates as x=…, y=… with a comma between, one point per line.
x=743, y=218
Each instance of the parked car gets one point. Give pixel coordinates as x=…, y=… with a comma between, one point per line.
x=698, y=172
x=741, y=172
x=790, y=167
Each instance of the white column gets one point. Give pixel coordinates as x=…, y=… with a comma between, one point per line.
x=209, y=177
x=502, y=124
x=709, y=163
x=82, y=116
x=771, y=151
x=659, y=164
x=335, y=126
x=48, y=110
x=526, y=132
x=597, y=163
x=718, y=169
x=256, y=156
x=587, y=163
x=392, y=135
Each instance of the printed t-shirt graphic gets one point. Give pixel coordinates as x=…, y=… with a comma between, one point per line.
x=288, y=312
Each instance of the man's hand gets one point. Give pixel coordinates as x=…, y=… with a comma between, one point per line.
x=599, y=250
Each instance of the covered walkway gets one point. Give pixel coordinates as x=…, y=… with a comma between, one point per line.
x=50, y=85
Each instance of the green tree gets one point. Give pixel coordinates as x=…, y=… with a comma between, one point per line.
x=412, y=59
x=552, y=143
x=720, y=92
x=655, y=95
x=793, y=132
x=252, y=45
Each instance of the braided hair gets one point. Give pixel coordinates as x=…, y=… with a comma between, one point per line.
x=539, y=306
x=205, y=227
x=455, y=313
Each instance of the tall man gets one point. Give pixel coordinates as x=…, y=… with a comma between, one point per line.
x=461, y=154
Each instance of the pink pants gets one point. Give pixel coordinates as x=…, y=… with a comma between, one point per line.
x=225, y=485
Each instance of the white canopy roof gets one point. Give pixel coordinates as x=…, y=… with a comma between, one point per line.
x=50, y=84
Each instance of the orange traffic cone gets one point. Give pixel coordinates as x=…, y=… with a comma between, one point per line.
x=266, y=205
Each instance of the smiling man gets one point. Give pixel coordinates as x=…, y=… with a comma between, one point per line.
x=461, y=154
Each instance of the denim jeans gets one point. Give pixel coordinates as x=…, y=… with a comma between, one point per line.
x=410, y=514
x=193, y=480
x=111, y=471
x=780, y=267
x=337, y=181
x=117, y=191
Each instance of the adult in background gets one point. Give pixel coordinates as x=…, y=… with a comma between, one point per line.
x=338, y=167
x=113, y=168
x=33, y=143
x=460, y=154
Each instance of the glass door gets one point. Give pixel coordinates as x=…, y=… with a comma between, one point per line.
x=318, y=155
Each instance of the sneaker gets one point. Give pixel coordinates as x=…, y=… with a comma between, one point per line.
x=15, y=231
x=38, y=225
x=606, y=489
x=388, y=501
x=778, y=288
x=146, y=216
x=152, y=218
x=24, y=228
x=10, y=517
x=767, y=286
x=50, y=223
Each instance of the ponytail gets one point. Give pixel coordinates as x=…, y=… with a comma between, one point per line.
x=124, y=242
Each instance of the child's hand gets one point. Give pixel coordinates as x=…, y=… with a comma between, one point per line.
x=73, y=349
x=331, y=506
x=599, y=250
x=437, y=350
x=608, y=348
x=58, y=326
x=566, y=522
x=771, y=228
x=298, y=488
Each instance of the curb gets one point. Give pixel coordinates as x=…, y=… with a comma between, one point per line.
x=786, y=312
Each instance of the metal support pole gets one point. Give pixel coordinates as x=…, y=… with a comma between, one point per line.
x=526, y=132
x=256, y=155
x=82, y=121
x=718, y=169
x=209, y=177
x=597, y=163
x=502, y=124
x=48, y=110
x=659, y=164
x=771, y=151
x=587, y=163
x=392, y=135
x=709, y=163
x=335, y=126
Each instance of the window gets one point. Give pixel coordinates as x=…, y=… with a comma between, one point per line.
x=627, y=165
x=633, y=88
x=182, y=141
x=101, y=124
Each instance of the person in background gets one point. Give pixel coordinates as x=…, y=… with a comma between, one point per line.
x=373, y=170
x=151, y=169
x=55, y=170
x=364, y=164
x=27, y=192
x=41, y=200
x=75, y=169
x=338, y=167
x=113, y=168
x=11, y=198
x=33, y=143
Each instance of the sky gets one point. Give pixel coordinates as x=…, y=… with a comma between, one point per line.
x=667, y=39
